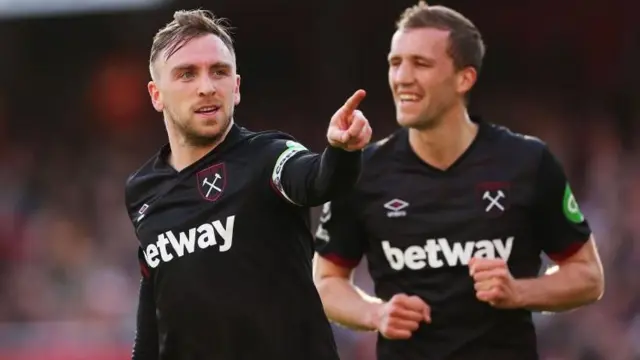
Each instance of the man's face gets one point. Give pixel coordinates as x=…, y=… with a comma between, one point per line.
x=197, y=89
x=422, y=77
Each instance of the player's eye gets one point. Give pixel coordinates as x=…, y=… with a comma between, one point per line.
x=220, y=73
x=186, y=75
x=394, y=62
x=422, y=63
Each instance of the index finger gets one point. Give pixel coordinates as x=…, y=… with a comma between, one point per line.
x=354, y=101
x=476, y=264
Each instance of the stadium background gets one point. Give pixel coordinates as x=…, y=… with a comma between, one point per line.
x=75, y=120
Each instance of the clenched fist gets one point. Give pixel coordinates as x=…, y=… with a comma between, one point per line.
x=348, y=128
x=401, y=316
x=494, y=283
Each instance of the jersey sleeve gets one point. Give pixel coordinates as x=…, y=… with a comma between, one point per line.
x=304, y=178
x=145, y=346
x=559, y=224
x=340, y=237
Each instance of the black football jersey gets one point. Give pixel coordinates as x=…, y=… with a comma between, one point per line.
x=226, y=249
x=507, y=196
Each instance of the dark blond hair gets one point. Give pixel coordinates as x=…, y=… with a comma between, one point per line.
x=187, y=25
x=466, y=46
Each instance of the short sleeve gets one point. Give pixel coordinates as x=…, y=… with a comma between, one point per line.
x=340, y=238
x=559, y=223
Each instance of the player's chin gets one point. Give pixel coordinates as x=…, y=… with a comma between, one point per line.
x=407, y=119
x=211, y=124
x=208, y=129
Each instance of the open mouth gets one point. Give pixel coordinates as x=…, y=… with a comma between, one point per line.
x=207, y=110
x=407, y=98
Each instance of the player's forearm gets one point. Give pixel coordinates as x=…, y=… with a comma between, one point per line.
x=145, y=345
x=347, y=305
x=312, y=180
x=338, y=172
x=573, y=285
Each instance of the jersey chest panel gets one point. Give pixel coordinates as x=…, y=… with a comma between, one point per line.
x=199, y=216
x=420, y=221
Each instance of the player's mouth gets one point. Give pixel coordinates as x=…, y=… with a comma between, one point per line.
x=207, y=110
x=408, y=98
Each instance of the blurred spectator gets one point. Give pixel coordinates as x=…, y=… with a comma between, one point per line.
x=75, y=120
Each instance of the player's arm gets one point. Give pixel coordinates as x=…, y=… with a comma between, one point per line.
x=343, y=302
x=578, y=281
x=308, y=179
x=564, y=235
x=340, y=244
x=145, y=345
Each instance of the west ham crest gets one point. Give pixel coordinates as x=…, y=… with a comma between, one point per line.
x=211, y=181
x=494, y=197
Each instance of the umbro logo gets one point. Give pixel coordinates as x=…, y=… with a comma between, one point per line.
x=142, y=212
x=396, y=208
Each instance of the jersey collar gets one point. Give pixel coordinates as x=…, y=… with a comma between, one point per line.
x=161, y=164
x=482, y=133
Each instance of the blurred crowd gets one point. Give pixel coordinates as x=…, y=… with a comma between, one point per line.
x=69, y=273
x=68, y=268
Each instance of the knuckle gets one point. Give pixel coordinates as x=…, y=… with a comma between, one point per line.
x=392, y=322
x=394, y=310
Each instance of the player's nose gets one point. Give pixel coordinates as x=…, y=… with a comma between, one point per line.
x=206, y=86
x=403, y=75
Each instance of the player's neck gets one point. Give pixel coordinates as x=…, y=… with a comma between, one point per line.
x=443, y=144
x=183, y=154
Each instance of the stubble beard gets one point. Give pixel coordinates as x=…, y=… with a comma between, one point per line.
x=432, y=118
x=193, y=138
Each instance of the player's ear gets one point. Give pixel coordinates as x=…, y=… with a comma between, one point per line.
x=236, y=91
x=156, y=98
x=466, y=78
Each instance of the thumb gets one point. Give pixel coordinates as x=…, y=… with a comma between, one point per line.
x=345, y=136
x=415, y=303
x=427, y=313
x=420, y=305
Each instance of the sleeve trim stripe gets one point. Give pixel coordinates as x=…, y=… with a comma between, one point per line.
x=282, y=194
x=341, y=261
x=276, y=175
x=567, y=252
x=144, y=270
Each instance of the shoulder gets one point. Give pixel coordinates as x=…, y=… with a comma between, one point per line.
x=273, y=143
x=384, y=148
x=272, y=149
x=380, y=160
x=514, y=144
x=270, y=138
x=141, y=182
